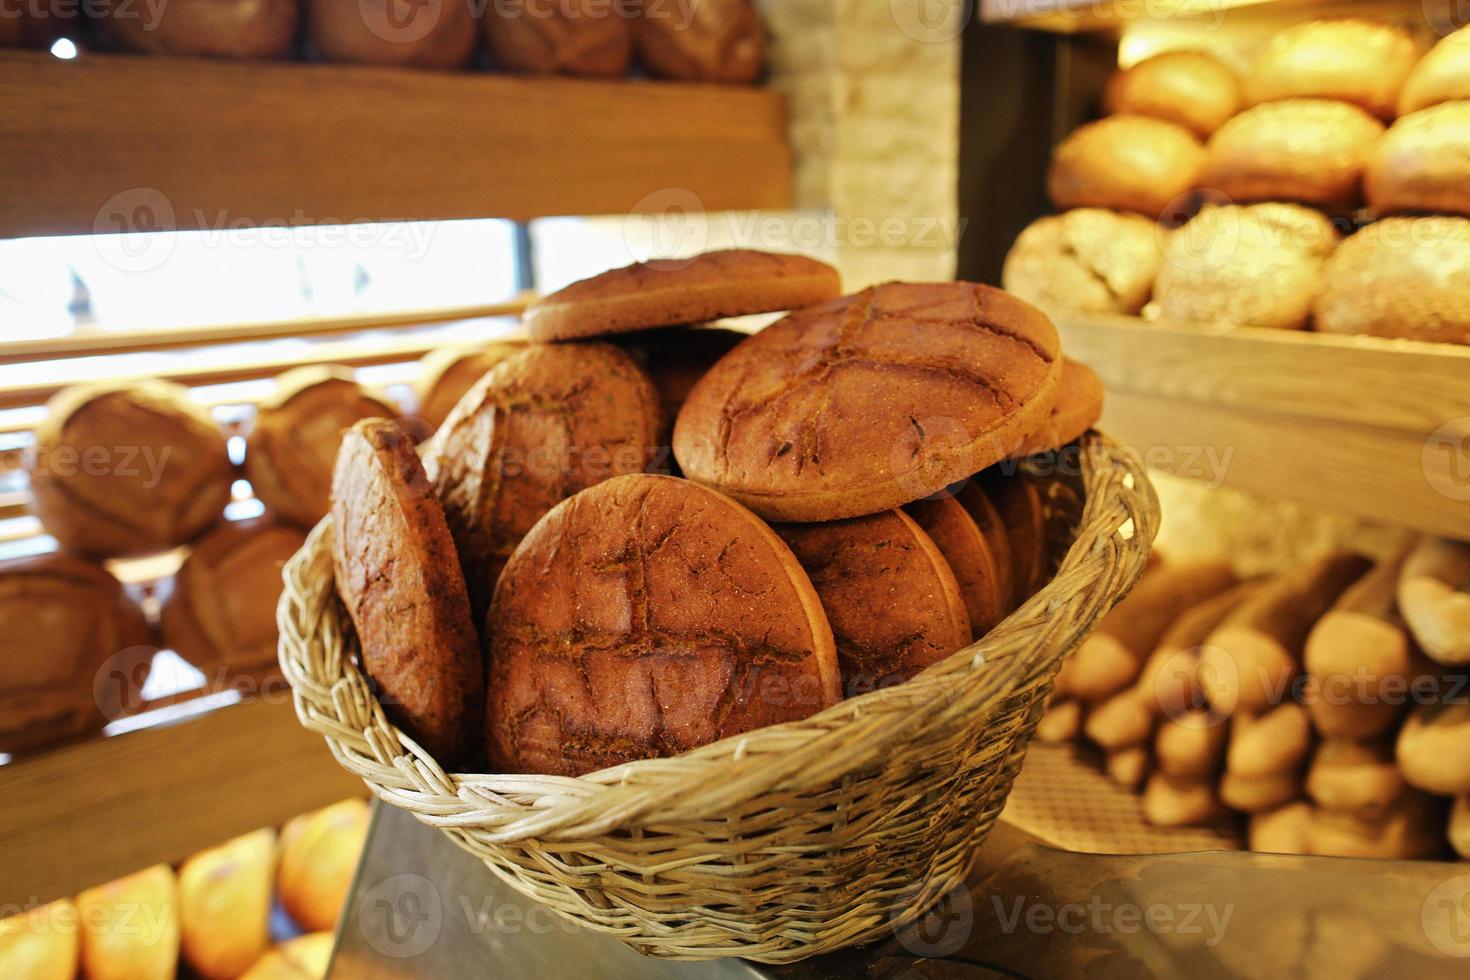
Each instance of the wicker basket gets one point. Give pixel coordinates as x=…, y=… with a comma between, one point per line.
x=779, y=844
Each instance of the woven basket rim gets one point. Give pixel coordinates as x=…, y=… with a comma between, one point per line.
x=333, y=697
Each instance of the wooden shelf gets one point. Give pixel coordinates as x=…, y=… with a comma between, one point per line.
x=1380, y=428
x=90, y=812
x=109, y=140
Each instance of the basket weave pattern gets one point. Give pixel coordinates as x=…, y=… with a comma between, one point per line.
x=775, y=845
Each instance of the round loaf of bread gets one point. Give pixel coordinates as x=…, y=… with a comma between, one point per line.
x=1359, y=61
x=1127, y=163
x=643, y=617
x=1078, y=407
x=1086, y=259
x=1401, y=277
x=891, y=598
x=319, y=855
x=701, y=40
x=76, y=652
x=665, y=292
x=1423, y=163
x=128, y=467
x=969, y=554
x=211, y=28
x=1307, y=150
x=222, y=611
x=116, y=942
x=225, y=905
x=1442, y=75
x=399, y=577
x=675, y=358
x=542, y=425
x=871, y=401
x=404, y=33
x=1191, y=88
x=298, y=430
x=447, y=373
x=1254, y=266
x=571, y=37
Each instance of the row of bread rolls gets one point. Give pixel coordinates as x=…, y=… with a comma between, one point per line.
x=531, y=587
x=1278, y=262
x=687, y=40
x=210, y=919
x=1328, y=702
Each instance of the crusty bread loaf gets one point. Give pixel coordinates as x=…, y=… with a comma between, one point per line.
x=1253, y=266
x=1192, y=88
x=319, y=852
x=1433, y=749
x=1442, y=75
x=1400, y=277
x=1308, y=150
x=1423, y=163
x=1128, y=163
x=1359, y=61
x=130, y=927
x=225, y=905
x=1169, y=801
x=447, y=373
x=1352, y=776
x=1434, y=597
x=573, y=37
x=405, y=33
x=213, y=28
x=128, y=467
x=222, y=610
x=892, y=601
x=969, y=554
x=701, y=40
x=643, y=617
x=675, y=358
x=76, y=650
x=1086, y=259
x=41, y=943
x=298, y=430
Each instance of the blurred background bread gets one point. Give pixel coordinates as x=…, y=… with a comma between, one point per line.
x=1192, y=88
x=128, y=467
x=406, y=33
x=293, y=445
x=303, y=958
x=1442, y=75
x=225, y=905
x=1359, y=61
x=130, y=927
x=572, y=37
x=701, y=40
x=1423, y=163
x=1126, y=163
x=213, y=28
x=447, y=373
x=1401, y=277
x=41, y=943
x=1085, y=259
x=318, y=856
x=77, y=650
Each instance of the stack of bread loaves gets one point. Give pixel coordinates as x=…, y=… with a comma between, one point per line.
x=1286, y=698
x=1292, y=153
x=542, y=589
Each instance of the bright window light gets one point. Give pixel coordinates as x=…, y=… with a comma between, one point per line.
x=64, y=49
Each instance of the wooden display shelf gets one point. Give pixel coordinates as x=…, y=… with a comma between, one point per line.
x=1380, y=428
x=86, y=813
x=140, y=143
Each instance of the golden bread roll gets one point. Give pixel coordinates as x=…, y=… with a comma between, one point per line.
x=1169, y=680
x=1125, y=163
x=1086, y=259
x=1422, y=163
x=701, y=40
x=1121, y=721
x=1062, y=721
x=1172, y=802
x=1312, y=151
x=261, y=29
x=41, y=943
x=222, y=610
x=571, y=37
x=1358, y=61
x=225, y=905
x=1191, y=745
x=77, y=650
x=1434, y=596
x=447, y=373
x=405, y=33
x=1191, y=88
x=1276, y=741
x=1433, y=749
x=1255, y=266
x=128, y=467
x=1129, y=767
x=1282, y=830
x=1400, y=277
x=1335, y=714
x=1355, y=777
x=303, y=958
x=318, y=857
x=1413, y=827
x=1253, y=794
x=1442, y=75
x=298, y=430
x=1361, y=647
x=130, y=927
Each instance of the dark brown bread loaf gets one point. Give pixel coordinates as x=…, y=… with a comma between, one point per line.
x=406, y=33
x=1126, y=163
x=645, y=616
x=399, y=577
x=446, y=374
x=1191, y=88
x=1079, y=405
x=665, y=292
x=222, y=611
x=76, y=650
x=872, y=401
x=971, y=557
x=293, y=445
x=701, y=40
x=570, y=37
x=1017, y=499
x=542, y=425
x=892, y=600
x=211, y=28
x=675, y=358
x=129, y=467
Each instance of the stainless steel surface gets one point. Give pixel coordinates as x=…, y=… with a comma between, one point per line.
x=422, y=908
